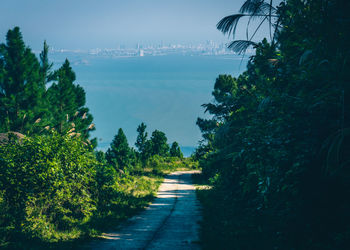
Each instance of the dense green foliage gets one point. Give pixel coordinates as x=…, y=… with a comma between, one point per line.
x=159, y=145
x=141, y=143
x=67, y=102
x=122, y=157
x=119, y=153
x=175, y=150
x=277, y=147
x=53, y=189
x=26, y=106
x=47, y=185
x=156, y=145
x=22, y=92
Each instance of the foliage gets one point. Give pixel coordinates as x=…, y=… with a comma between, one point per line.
x=153, y=152
x=46, y=73
x=54, y=189
x=141, y=142
x=276, y=147
x=264, y=11
x=119, y=153
x=22, y=93
x=161, y=165
x=67, y=102
x=47, y=184
x=175, y=150
x=121, y=195
x=159, y=143
x=26, y=106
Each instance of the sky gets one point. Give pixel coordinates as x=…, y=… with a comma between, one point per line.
x=87, y=24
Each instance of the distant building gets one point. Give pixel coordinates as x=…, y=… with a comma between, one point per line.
x=141, y=52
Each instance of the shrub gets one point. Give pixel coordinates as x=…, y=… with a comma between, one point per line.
x=47, y=184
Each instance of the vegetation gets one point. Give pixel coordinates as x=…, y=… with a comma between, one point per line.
x=54, y=190
x=119, y=153
x=175, y=150
x=21, y=87
x=276, y=150
x=54, y=187
x=67, y=102
x=142, y=145
x=159, y=145
x=26, y=105
x=48, y=187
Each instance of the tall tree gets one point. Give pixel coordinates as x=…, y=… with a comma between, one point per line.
x=175, y=150
x=141, y=141
x=22, y=102
x=141, y=137
x=67, y=102
x=119, y=152
x=159, y=143
x=46, y=73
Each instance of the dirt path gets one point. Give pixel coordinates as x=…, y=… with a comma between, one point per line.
x=170, y=222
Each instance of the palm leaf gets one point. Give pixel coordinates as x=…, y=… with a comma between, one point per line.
x=240, y=46
x=332, y=148
x=256, y=8
x=228, y=24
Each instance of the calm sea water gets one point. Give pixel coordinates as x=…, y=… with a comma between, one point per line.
x=165, y=92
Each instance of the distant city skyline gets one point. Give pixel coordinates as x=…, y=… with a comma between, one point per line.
x=138, y=45
x=208, y=48
x=89, y=24
x=203, y=44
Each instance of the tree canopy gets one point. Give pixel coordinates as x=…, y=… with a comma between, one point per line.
x=67, y=102
x=142, y=142
x=22, y=93
x=119, y=152
x=26, y=106
x=276, y=147
x=159, y=143
x=175, y=150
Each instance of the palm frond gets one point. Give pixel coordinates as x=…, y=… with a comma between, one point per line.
x=228, y=24
x=240, y=46
x=212, y=108
x=257, y=8
x=332, y=148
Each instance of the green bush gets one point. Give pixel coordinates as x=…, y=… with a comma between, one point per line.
x=54, y=188
x=167, y=164
x=47, y=185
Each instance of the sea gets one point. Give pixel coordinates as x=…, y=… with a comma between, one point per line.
x=165, y=92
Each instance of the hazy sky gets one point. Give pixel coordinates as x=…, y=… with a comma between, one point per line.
x=89, y=24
